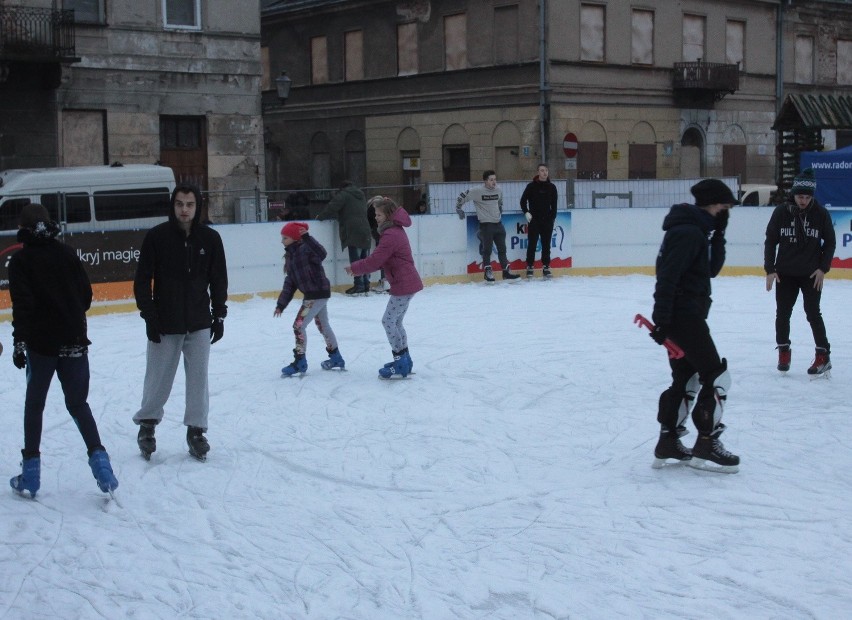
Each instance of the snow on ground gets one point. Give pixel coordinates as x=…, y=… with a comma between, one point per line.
x=508, y=478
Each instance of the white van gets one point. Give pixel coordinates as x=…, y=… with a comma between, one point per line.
x=753, y=195
x=89, y=198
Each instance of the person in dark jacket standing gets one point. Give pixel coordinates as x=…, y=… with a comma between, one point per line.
x=538, y=202
x=349, y=208
x=799, y=247
x=303, y=256
x=181, y=287
x=50, y=294
x=693, y=252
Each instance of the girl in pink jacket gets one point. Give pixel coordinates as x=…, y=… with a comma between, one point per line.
x=393, y=254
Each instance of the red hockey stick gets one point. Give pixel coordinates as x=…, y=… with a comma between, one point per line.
x=675, y=352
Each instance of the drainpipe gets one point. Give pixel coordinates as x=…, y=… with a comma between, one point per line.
x=779, y=58
x=542, y=79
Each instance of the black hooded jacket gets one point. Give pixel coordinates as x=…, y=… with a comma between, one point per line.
x=691, y=254
x=540, y=199
x=804, y=239
x=188, y=273
x=50, y=292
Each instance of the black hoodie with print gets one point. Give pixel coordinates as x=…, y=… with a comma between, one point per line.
x=799, y=241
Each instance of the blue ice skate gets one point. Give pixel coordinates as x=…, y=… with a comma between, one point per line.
x=400, y=366
x=30, y=477
x=399, y=354
x=298, y=366
x=335, y=360
x=102, y=471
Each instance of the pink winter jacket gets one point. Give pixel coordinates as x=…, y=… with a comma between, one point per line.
x=393, y=254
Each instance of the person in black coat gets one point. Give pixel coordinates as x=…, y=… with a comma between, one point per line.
x=50, y=294
x=538, y=202
x=799, y=247
x=693, y=252
x=181, y=287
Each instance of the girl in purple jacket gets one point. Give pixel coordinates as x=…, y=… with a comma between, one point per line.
x=393, y=255
x=303, y=256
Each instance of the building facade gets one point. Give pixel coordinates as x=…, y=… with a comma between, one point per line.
x=137, y=81
x=401, y=92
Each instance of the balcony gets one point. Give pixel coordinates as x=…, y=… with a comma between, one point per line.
x=36, y=35
x=701, y=84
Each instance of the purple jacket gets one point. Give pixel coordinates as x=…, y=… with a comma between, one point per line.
x=393, y=254
x=303, y=270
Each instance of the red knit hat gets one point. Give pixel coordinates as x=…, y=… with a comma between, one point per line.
x=294, y=230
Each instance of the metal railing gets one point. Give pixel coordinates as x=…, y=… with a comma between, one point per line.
x=706, y=76
x=28, y=33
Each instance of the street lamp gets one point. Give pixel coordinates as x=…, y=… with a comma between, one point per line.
x=282, y=85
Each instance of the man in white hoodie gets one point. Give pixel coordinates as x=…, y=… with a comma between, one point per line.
x=488, y=201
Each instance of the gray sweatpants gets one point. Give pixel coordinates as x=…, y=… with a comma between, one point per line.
x=392, y=321
x=162, y=363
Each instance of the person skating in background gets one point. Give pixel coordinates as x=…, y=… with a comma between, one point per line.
x=488, y=201
x=349, y=208
x=374, y=232
x=538, y=202
x=303, y=271
x=394, y=255
x=181, y=287
x=50, y=294
x=799, y=247
x=693, y=252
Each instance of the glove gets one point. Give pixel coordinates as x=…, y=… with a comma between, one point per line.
x=19, y=355
x=658, y=334
x=528, y=215
x=460, y=212
x=217, y=329
x=152, y=330
x=722, y=221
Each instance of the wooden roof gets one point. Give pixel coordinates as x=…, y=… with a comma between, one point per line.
x=815, y=112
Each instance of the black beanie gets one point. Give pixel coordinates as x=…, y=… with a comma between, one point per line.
x=711, y=192
x=33, y=214
x=805, y=183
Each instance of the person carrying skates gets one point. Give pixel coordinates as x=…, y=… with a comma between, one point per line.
x=799, y=247
x=693, y=252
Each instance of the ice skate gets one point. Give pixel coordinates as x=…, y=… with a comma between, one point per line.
x=785, y=354
x=488, y=274
x=398, y=354
x=30, y=477
x=197, y=442
x=399, y=367
x=821, y=366
x=669, y=448
x=335, y=360
x=358, y=289
x=529, y=271
x=545, y=272
x=298, y=366
x=709, y=454
x=102, y=471
x=508, y=275
x=145, y=439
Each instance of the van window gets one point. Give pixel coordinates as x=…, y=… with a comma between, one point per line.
x=130, y=204
x=76, y=207
x=10, y=213
x=751, y=199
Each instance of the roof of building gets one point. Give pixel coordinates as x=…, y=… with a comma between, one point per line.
x=815, y=112
x=271, y=7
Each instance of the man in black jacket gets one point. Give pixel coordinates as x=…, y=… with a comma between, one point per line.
x=800, y=244
x=692, y=252
x=184, y=313
x=50, y=294
x=538, y=202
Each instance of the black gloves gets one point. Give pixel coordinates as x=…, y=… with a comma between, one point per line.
x=217, y=329
x=658, y=334
x=19, y=355
x=722, y=221
x=152, y=329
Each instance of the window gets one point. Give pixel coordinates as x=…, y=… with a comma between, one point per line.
x=319, y=60
x=455, y=41
x=180, y=132
x=406, y=49
x=130, y=204
x=735, y=43
x=456, y=160
x=353, y=58
x=265, y=76
x=693, y=38
x=76, y=207
x=642, y=46
x=506, y=44
x=10, y=213
x=804, y=60
x=592, y=32
x=844, y=62
x=182, y=14
x=86, y=11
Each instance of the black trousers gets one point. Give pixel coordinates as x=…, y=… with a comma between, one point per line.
x=493, y=233
x=786, y=293
x=700, y=356
x=539, y=229
x=73, y=373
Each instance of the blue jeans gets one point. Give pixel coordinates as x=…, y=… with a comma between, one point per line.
x=359, y=254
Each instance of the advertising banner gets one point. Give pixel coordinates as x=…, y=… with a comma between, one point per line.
x=842, y=220
x=516, y=243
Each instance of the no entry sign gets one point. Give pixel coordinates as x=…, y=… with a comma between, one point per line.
x=569, y=145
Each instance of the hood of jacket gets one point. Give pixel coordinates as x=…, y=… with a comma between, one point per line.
x=688, y=215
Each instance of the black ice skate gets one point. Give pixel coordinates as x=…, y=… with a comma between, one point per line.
x=508, y=275
x=197, y=442
x=488, y=274
x=670, y=448
x=546, y=272
x=145, y=439
x=529, y=271
x=709, y=454
x=821, y=366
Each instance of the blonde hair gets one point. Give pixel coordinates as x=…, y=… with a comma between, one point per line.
x=386, y=206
